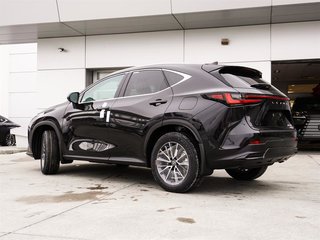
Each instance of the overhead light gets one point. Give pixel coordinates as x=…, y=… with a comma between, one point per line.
x=62, y=50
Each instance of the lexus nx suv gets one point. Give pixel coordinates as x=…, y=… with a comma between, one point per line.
x=183, y=121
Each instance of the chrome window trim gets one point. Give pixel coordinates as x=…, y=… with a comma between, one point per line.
x=184, y=75
x=185, y=78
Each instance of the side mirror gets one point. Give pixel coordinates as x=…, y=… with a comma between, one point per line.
x=73, y=97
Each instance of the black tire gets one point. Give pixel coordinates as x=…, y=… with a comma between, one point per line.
x=50, y=158
x=246, y=174
x=192, y=176
x=10, y=140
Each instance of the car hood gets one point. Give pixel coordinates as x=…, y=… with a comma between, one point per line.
x=5, y=122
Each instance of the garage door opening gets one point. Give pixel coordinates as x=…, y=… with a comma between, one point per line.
x=300, y=80
x=297, y=78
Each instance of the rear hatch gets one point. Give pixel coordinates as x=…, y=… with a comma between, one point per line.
x=265, y=106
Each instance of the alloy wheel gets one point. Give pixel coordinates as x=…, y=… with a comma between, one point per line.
x=172, y=163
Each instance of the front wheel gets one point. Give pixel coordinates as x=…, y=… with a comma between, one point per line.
x=10, y=140
x=50, y=160
x=174, y=163
x=246, y=174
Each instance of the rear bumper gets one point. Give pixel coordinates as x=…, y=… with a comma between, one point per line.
x=252, y=159
x=274, y=148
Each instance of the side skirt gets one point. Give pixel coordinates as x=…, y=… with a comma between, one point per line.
x=115, y=160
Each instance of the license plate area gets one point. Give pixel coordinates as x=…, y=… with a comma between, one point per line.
x=276, y=118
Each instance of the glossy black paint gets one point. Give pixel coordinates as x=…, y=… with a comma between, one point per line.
x=221, y=133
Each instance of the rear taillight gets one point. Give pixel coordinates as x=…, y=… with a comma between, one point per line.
x=255, y=141
x=242, y=99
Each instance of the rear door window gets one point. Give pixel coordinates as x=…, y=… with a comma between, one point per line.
x=146, y=82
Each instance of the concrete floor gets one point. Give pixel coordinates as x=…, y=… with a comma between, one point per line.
x=92, y=201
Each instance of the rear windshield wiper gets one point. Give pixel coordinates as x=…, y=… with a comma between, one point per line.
x=261, y=86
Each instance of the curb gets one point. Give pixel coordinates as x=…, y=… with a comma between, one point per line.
x=11, y=151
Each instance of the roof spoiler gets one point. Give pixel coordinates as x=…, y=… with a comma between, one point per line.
x=236, y=70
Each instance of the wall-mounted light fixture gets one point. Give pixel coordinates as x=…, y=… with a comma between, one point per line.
x=225, y=41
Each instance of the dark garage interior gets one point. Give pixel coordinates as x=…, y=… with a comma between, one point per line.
x=300, y=80
x=296, y=78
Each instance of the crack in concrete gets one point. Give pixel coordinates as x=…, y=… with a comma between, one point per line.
x=47, y=236
x=317, y=163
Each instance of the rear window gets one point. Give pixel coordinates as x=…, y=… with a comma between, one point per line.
x=172, y=77
x=241, y=81
x=306, y=104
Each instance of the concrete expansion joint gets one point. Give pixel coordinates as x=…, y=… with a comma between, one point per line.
x=70, y=209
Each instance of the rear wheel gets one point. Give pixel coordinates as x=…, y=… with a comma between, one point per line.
x=50, y=160
x=174, y=163
x=246, y=174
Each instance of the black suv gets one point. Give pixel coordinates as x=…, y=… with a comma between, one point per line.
x=183, y=121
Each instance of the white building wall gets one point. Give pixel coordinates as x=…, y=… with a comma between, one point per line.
x=182, y=6
x=59, y=73
x=53, y=86
x=248, y=46
x=134, y=49
x=50, y=57
x=22, y=101
x=295, y=40
x=73, y=10
x=4, y=78
x=27, y=11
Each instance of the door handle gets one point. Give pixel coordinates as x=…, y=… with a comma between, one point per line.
x=158, y=102
x=102, y=113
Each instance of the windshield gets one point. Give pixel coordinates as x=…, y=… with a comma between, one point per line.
x=306, y=104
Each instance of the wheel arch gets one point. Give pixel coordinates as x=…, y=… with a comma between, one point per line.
x=176, y=126
x=36, y=136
